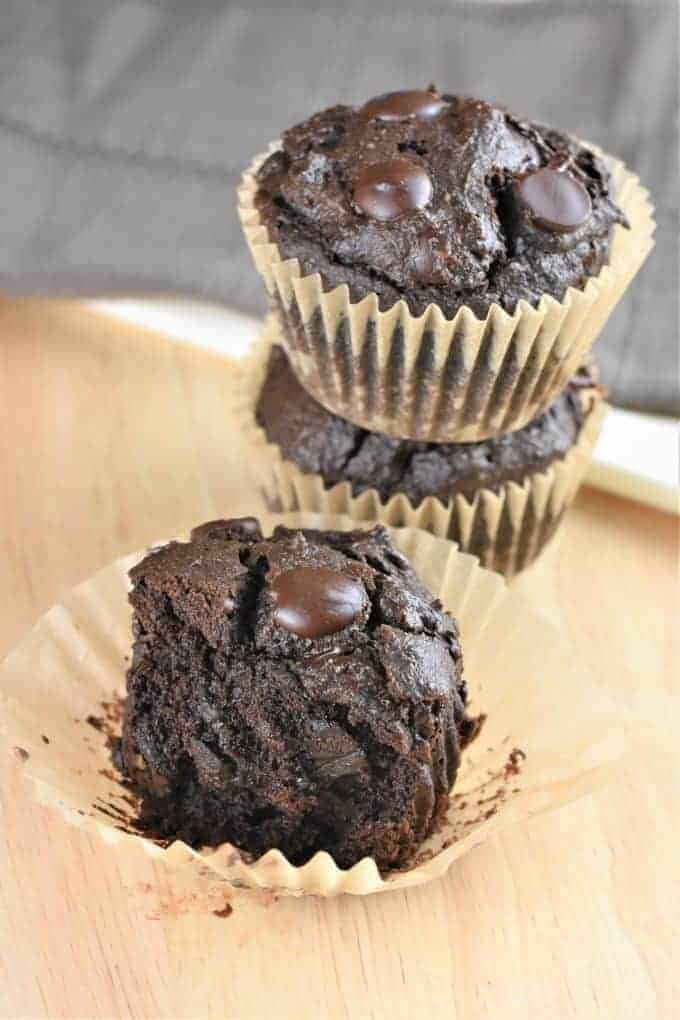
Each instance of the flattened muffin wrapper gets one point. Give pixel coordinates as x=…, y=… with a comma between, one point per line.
x=551, y=735
x=505, y=527
x=435, y=379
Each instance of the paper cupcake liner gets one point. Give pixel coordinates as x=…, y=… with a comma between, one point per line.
x=436, y=379
x=505, y=527
x=550, y=735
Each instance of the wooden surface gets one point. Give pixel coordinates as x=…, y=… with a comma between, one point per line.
x=110, y=438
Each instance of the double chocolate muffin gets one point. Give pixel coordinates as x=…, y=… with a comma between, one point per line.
x=302, y=691
x=437, y=199
x=320, y=442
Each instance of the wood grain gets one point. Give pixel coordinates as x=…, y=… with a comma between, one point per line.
x=111, y=437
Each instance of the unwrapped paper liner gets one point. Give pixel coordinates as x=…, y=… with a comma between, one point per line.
x=505, y=528
x=519, y=669
x=436, y=379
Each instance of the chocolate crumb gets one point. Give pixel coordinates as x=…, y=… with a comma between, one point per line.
x=226, y=911
x=109, y=723
x=512, y=766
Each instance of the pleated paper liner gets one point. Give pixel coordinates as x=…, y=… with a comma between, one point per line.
x=436, y=379
x=550, y=735
x=505, y=528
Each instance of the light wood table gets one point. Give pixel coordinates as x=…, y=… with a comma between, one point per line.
x=111, y=437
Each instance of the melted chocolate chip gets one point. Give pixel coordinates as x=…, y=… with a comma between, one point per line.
x=243, y=528
x=385, y=191
x=404, y=105
x=315, y=601
x=334, y=752
x=555, y=199
x=424, y=263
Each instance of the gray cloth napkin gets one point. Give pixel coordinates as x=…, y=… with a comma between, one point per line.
x=124, y=125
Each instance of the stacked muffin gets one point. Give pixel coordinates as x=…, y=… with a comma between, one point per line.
x=439, y=270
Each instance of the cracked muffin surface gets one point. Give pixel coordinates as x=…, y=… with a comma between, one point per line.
x=302, y=691
x=321, y=442
x=438, y=199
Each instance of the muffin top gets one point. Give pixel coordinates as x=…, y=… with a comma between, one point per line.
x=435, y=198
x=302, y=691
x=321, y=442
x=296, y=593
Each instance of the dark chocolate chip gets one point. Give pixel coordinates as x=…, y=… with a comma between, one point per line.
x=387, y=190
x=314, y=601
x=334, y=752
x=555, y=199
x=404, y=105
x=422, y=253
x=237, y=529
x=423, y=262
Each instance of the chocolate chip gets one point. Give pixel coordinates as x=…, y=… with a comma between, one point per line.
x=423, y=262
x=239, y=528
x=555, y=199
x=387, y=190
x=404, y=105
x=422, y=254
x=334, y=752
x=314, y=601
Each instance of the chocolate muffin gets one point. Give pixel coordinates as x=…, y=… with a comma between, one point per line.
x=302, y=691
x=320, y=442
x=435, y=198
